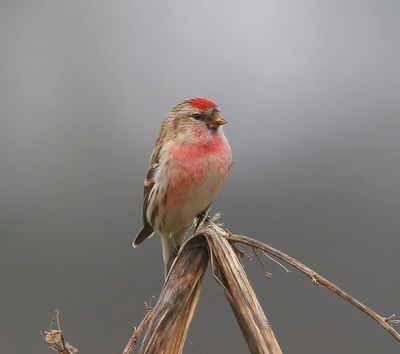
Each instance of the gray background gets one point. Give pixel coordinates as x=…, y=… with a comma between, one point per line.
x=311, y=92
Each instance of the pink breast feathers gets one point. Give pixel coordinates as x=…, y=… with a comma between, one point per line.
x=192, y=164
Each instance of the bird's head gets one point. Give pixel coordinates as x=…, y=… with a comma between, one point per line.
x=196, y=116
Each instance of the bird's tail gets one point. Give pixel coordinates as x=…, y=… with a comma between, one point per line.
x=144, y=233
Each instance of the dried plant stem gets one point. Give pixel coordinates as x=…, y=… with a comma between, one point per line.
x=166, y=325
x=317, y=279
x=55, y=337
x=229, y=272
x=137, y=332
x=166, y=333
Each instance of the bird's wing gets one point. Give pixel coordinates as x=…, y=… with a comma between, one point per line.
x=149, y=182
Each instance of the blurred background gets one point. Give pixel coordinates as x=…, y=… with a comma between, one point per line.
x=311, y=93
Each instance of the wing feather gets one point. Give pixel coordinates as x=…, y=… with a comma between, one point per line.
x=148, y=229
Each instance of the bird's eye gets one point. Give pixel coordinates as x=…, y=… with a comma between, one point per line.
x=196, y=115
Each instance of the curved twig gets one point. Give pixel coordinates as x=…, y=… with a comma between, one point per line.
x=137, y=331
x=384, y=322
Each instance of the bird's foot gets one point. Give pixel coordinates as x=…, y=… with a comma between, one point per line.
x=202, y=218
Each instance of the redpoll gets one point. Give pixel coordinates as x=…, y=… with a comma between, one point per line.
x=189, y=163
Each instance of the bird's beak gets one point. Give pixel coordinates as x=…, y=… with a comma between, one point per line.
x=216, y=121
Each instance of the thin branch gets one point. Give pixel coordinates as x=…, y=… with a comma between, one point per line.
x=264, y=267
x=137, y=331
x=276, y=262
x=317, y=279
x=55, y=337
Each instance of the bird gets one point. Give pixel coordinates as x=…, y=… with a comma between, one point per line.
x=189, y=163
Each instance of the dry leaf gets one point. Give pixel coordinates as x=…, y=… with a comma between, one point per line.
x=53, y=337
x=71, y=349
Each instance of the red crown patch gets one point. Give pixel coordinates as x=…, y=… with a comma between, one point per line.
x=202, y=103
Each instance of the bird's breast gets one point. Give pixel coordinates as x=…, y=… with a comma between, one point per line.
x=188, y=180
x=198, y=169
